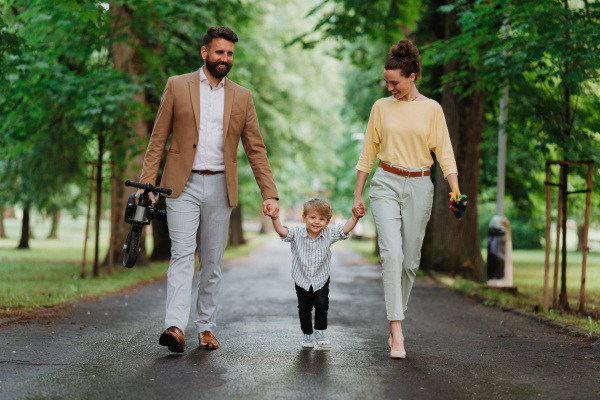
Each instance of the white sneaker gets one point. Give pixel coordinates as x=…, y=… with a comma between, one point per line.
x=321, y=338
x=307, y=341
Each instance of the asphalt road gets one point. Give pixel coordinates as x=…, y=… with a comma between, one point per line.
x=457, y=348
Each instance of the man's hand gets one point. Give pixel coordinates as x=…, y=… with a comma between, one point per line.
x=271, y=208
x=150, y=195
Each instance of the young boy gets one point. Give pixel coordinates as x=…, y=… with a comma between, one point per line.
x=311, y=264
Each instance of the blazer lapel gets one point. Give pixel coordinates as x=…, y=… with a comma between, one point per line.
x=229, y=95
x=194, y=86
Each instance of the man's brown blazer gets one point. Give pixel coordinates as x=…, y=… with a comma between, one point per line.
x=179, y=114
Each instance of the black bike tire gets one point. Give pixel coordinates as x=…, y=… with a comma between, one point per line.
x=132, y=250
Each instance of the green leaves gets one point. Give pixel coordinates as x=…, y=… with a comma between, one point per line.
x=547, y=51
x=62, y=93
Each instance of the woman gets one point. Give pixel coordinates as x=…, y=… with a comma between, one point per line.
x=403, y=129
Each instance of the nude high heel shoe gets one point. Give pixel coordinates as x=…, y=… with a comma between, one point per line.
x=395, y=354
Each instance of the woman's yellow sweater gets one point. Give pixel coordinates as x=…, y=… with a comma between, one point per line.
x=404, y=134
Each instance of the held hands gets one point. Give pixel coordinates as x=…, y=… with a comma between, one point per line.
x=458, y=203
x=359, y=208
x=271, y=208
x=358, y=212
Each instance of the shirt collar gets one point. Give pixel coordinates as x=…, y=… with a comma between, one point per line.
x=305, y=233
x=203, y=77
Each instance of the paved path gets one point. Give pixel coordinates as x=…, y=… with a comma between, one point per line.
x=457, y=348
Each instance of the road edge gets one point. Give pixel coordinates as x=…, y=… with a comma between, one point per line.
x=562, y=327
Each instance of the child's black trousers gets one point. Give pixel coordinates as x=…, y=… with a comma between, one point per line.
x=307, y=299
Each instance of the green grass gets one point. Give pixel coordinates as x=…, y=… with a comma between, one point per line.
x=530, y=302
x=49, y=272
x=528, y=277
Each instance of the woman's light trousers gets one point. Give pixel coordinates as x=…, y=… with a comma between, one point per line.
x=401, y=208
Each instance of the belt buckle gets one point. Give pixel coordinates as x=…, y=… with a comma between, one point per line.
x=404, y=172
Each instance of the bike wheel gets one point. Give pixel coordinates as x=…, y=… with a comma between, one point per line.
x=131, y=250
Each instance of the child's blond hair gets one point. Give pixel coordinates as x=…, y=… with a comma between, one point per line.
x=320, y=206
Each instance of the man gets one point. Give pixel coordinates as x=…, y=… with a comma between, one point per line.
x=206, y=115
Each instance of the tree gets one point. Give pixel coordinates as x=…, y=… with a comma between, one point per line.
x=2, y=231
x=59, y=100
x=127, y=55
x=546, y=56
x=453, y=246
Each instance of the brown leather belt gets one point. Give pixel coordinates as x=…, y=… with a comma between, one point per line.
x=206, y=172
x=403, y=172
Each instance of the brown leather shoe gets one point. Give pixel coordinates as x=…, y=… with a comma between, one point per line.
x=173, y=338
x=208, y=340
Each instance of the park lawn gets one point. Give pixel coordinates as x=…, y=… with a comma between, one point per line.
x=48, y=273
x=528, y=277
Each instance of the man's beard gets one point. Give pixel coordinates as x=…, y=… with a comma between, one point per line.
x=217, y=69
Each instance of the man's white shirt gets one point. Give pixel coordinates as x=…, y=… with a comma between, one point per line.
x=209, y=154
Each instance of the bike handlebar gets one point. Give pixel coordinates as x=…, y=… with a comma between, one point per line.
x=148, y=187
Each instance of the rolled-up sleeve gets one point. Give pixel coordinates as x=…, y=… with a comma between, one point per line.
x=291, y=235
x=338, y=234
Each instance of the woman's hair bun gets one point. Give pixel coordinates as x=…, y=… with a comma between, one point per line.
x=405, y=49
x=404, y=56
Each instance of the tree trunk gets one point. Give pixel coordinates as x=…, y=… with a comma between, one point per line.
x=25, y=230
x=126, y=58
x=55, y=215
x=563, y=299
x=566, y=127
x=2, y=231
x=580, y=237
x=434, y=23
x=455, y=245
x=96, y=265
x=236, y=232
x=162, y=241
